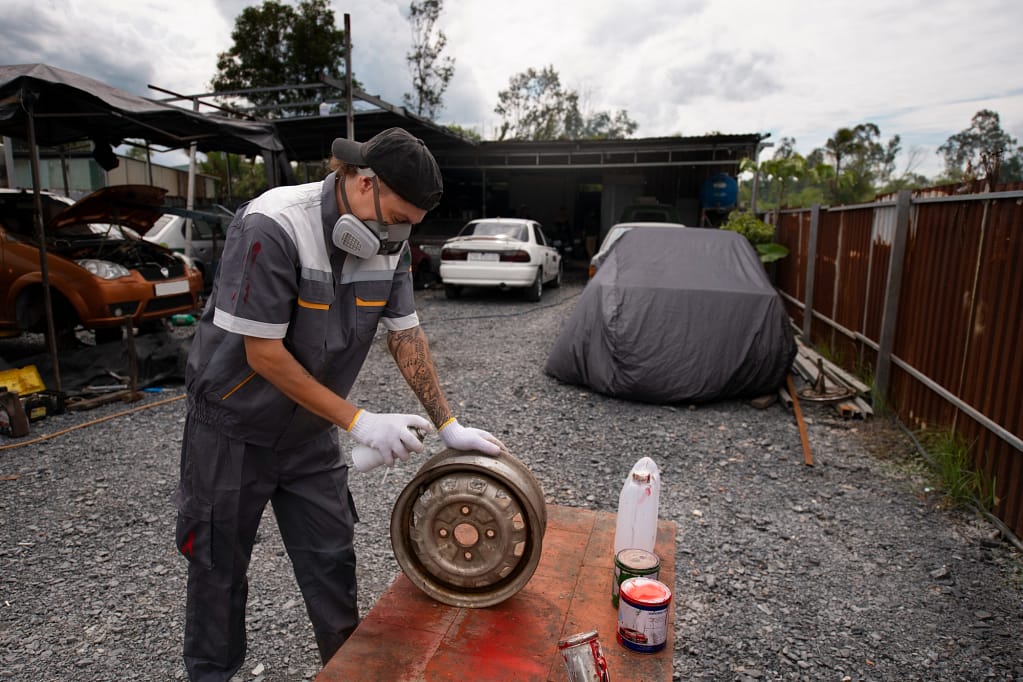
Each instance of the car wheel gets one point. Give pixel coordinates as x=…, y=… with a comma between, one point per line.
x=452, y=291
x=556, y=282
x=535, y=290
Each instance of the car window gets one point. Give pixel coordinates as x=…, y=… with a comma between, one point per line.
x=613, y=236
x=538, y=234
x=516, y=232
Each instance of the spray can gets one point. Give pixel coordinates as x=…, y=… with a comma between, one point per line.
x=636, y=526
x=584, y=659
x=366, y=458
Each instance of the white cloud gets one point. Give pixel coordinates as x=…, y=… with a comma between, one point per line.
x=793, y=68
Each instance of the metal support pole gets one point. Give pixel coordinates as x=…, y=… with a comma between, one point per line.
x=811, y=267
x=348, y=76
x=149, y=164
x=483, y=192
x=893, y=289
x=9, y=161
x=51, y=334
x=190, y=199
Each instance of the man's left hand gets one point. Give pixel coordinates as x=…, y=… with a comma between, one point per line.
x=460, y=437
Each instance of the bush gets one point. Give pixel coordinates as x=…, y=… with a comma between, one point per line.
x=758, y=233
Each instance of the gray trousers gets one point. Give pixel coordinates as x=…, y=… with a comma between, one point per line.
x=225, y=485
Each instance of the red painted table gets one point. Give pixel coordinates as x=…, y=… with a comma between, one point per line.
x=409, y=636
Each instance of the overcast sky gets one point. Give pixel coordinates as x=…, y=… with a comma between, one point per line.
x=791, y=68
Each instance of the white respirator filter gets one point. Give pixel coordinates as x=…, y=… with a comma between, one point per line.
x=353, y=236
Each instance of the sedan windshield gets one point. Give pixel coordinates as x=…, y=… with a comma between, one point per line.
x=516, y=232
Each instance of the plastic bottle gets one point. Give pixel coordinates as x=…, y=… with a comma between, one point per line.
x=636, y=526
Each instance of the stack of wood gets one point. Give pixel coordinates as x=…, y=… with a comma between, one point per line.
x=829, y=384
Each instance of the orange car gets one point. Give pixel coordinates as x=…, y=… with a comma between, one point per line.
x=99, y=269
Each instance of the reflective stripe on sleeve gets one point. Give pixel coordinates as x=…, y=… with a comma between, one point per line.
x=239, y=325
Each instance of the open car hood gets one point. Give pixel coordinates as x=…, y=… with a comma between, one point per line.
x=136, y=206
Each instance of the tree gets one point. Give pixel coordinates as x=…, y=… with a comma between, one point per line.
x=536, y=107
x=861, y=161
x=430, y=74
x=979, y=151
x=248, y=178
x=277, y=44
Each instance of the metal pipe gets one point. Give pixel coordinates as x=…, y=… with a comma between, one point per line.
x=51, y=334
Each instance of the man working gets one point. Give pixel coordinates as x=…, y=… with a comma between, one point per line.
x=307, y=274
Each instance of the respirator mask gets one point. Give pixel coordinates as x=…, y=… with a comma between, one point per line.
x=366, y=238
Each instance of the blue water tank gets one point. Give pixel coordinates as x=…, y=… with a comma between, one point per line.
x=719, y=192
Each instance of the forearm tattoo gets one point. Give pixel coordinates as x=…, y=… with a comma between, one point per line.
x=411, y=352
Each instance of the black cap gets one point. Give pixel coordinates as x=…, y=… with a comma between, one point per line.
x=401, y=160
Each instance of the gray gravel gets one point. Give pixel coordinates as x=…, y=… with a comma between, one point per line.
x=850, y=570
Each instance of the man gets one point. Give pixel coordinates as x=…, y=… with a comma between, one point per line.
x=308, y=273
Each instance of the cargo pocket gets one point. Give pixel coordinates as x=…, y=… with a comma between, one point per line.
x=194, y=533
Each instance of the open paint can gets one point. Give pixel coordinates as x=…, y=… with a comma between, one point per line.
x=643, y=615
x=633, y=563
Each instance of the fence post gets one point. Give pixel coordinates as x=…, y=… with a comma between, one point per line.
x=893, y=288
x=811, y=266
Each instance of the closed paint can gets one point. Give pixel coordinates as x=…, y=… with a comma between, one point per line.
x=643, y=615
x=584, y=659
x=633, y=563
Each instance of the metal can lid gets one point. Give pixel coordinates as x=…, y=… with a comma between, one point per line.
x=577, y=639
x=645, y=591
x=638, y=559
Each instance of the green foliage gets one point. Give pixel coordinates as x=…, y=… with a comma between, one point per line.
x=536, y=107
x=248, y=178
x=469, y=133
x=750, y=227
x=982, y=150
x=861, y=162
x=430, y=74
x=771, y=252
x=277, y=44
x=953, y=464
x=758, y=233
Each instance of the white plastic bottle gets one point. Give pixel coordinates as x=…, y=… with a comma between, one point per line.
x=636, y=527
x=366, y=458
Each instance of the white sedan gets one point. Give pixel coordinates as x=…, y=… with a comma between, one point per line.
x=507, y=253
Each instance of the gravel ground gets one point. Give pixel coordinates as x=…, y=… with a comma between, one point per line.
x=849, y=570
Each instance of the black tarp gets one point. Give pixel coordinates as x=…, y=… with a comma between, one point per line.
x=68, y=107
x=677, y=315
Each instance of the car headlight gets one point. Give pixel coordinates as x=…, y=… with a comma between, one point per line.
x=104, y=269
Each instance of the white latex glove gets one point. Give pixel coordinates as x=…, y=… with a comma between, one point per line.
x=459, y=437
x=389, y=434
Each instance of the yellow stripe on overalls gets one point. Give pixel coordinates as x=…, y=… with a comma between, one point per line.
x=315, y=306
x=363, y=303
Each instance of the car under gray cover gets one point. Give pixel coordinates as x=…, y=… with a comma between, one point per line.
x=677, y=315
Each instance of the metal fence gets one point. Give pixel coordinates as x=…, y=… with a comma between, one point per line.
x=925, y=295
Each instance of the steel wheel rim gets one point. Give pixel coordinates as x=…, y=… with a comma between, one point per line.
x=468, y=529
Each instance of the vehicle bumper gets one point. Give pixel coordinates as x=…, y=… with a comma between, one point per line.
x=472, y=275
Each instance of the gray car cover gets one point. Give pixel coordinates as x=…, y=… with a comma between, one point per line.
x=677, y=315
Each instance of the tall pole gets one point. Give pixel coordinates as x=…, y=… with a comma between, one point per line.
x=51, y=337
x=348, y=76
x=9, y=161
x=190, y=200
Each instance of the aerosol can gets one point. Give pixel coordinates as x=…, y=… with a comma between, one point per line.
x=366, y=458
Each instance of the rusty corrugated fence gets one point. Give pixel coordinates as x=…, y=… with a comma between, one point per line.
x=936, y=329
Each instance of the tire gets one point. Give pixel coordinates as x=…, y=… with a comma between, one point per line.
x=452, y=291
x=535, y=291
x=556, y=282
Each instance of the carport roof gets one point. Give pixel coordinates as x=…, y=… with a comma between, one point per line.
x=67, y=107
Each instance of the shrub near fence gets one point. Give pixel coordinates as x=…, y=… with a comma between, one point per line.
x=923, y=293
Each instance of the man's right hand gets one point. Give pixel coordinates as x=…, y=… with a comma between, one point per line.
x=389, y=434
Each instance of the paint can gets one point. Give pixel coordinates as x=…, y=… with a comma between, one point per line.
x=584, y=659
x=633, y=563
x=643, y=615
